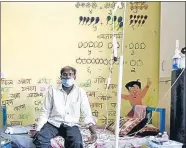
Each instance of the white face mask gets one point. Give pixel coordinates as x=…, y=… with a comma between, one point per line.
x=67, y=82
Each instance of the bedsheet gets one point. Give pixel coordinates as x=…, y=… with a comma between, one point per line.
x=106, y=139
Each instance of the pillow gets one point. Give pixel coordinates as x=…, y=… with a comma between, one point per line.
x=128, y=125
x=148, y=130
x=112, y=125
x=133, y=125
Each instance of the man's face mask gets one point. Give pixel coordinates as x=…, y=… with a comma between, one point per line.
x=67, y=82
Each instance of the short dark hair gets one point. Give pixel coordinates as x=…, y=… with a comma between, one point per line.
x=132, y=83
x=68, y=67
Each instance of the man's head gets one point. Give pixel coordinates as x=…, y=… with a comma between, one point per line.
x=68, y=75
x=133, y=87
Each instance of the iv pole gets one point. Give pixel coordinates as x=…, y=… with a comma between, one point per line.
x=119, y=88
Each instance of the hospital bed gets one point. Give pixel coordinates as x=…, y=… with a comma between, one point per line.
x=106, y=138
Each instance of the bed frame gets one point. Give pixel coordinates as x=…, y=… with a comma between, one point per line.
x=3, y=110
x=161, y=111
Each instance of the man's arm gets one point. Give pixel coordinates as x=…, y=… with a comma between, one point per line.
x=46, y=109
x=87, y=113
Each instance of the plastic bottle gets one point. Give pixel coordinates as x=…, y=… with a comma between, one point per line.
x=165, y=136
x=159, y=135
x=177, y=57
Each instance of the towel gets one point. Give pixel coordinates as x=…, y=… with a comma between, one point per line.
x=140, y=111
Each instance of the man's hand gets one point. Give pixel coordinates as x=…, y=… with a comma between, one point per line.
x=93, y=136
x=92, y=139
x=149, y=82
x=33, y=133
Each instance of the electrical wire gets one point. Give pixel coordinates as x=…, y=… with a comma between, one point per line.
x=110, y=74
x=123, y=37
x=106, y=91
x=110, y=70
x=158, y=103
x=120, y=76
x=112, y=55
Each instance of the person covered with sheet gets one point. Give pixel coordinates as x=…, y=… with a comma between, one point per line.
x=60, y=113
x=136, y=94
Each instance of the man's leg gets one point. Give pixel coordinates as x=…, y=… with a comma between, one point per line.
x=42, y=138
x=72, y=136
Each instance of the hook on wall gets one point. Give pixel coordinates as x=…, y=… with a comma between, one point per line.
x=162, y=65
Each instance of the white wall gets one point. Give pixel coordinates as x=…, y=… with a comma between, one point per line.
x=172, y=28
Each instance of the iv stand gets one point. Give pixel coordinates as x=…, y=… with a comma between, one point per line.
x=119, y=88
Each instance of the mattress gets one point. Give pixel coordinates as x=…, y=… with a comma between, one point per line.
x=106, y=139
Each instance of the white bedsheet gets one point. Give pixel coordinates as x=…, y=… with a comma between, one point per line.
x=105, y=138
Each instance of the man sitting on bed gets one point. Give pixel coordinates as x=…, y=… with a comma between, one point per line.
x=60, y=113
